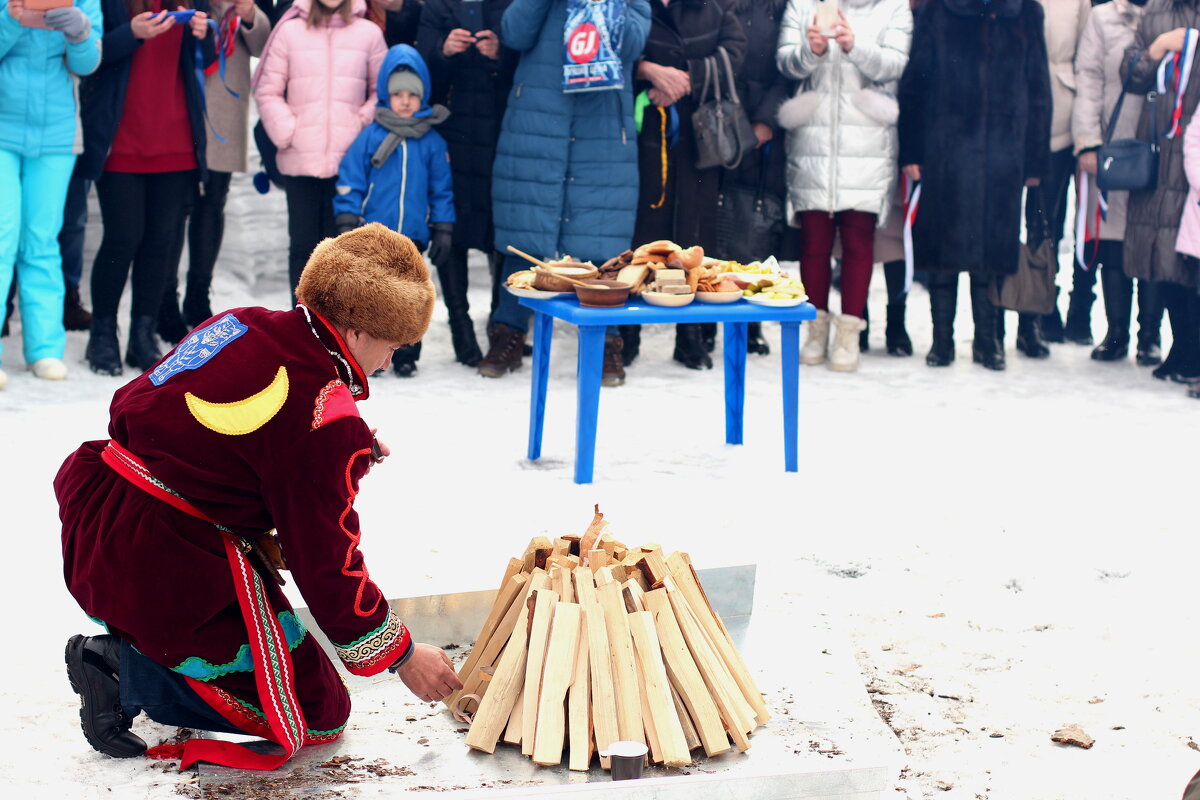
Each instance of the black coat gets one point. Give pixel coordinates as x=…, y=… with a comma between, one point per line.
x=475, y=89
x=975, y=115
x=682, y=35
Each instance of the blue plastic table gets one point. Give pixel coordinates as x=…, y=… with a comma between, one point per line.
x=591, y=324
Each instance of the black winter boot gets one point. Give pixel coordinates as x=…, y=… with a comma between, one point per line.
x=196, y=306
x=631, y=338
x=171, y=326
x=1078, y=329
x=504, y=351
x=453, y=276
x=1051, y=326
x=864, y=336
x=103, y=350
x=943, y=298
x=1150, y=312
x=689, y=347
x=895, y=334
x=986, y=348
x=1029, y=338
x=404, y=360
x=708, y=334
x=755, y=343
x=1118, y=297
x=142, y=351
x=75, y=316
x=93, y=668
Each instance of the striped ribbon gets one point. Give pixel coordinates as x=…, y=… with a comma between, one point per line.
x=1177, y=68
x=1082, y=234
x=912, y=199
x=220, y=43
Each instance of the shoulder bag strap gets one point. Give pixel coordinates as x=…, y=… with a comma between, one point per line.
x=1112, y=121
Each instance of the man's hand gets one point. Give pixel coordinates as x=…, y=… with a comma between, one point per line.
x=1171, y=41
x=379, y=450
x=816, y=39
x=199, y=24
x=457, y=41
x=1089, y=162
x=913, y=171
x=762, y=133
x=147, y=25
x=488, y=44
x=429, y=674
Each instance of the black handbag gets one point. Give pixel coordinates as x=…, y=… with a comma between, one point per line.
x=1031, y=290
x=723, y=131
x=749, y=219
x=1128, y=164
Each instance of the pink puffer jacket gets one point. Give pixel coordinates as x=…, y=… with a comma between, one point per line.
x=1188, y=241
x=315, y=87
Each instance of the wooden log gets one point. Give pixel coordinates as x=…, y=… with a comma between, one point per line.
x=685, y=675
x=557, y=673
x=618, y=573
x=656, y=754
x=720, y=686
x=607, y=543
x=544, y=602
x=689, y=728
x=493, y=628
x=658, y=690
x=512, y=733
x=579, y=734
x=566, y=562
x=584, y=585
x=518, y=611
x=600, y=660
x=503, y=689
x=594, y=531
x=560, y=582
x=603, y=575
x=597, y=559
x=624, y=667
x=652, y=567
x=632, y=593
x=537, y=553
x=562, y=547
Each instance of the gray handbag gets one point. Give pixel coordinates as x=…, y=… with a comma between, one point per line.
x=1031, y=289
x=723, y=131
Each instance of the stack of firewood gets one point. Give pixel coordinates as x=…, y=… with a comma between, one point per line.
x=591, y=642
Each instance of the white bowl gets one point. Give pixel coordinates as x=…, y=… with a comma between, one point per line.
x=791, y=302
x=718, y=297
x=667, y=300
x=537, y=294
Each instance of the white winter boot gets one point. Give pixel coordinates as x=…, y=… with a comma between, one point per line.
x=817, y=341
x=3, y=379
x=845, y=343
x=49, y=369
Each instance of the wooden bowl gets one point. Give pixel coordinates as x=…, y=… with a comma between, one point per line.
x=549, y=283
x=615, y=295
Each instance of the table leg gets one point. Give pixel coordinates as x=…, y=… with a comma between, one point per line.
x=735, y=380
x=591, y=365
x=543, y=326
x=790, y=356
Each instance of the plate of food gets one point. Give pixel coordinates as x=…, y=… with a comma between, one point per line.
x=520, y=284
x=668, y=300
x=718, y=297
x=776, y=300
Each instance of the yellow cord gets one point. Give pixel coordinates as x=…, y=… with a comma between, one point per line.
x=662, y=124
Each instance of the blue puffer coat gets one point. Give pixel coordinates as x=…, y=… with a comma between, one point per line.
x=37, y=98
x=566, y=178
x=413, y=187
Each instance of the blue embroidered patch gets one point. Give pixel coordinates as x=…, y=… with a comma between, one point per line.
x=198, y=348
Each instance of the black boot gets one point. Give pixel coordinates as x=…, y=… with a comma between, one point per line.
x=404, y=360
x=943, y=297
x=986, y=348
x=142, y=351
x=1051, y=326
x=1078, y=328
x=755, y=343
x=1029, y=338
x=93, y=668
x=453, y=276
x=1118, y=297
x=631, y=338
x=171, y=326
x=689, y=347
x=708, y=335
x=103, y=349
x=196, y=307
x=895, y=334
x=1150, y=311
x=864, y=336
x=75, y=316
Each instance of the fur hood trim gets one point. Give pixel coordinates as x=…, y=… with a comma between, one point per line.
x=877, y=106
x=373, y=279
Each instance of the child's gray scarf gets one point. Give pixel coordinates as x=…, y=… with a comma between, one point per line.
x=404, y=128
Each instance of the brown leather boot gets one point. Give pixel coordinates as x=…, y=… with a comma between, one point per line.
x=614, y=365
x=75, y=316
x=504, y=352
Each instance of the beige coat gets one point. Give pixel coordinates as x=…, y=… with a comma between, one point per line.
x=229, y=115
x=1109, y=31
x=1064, y=23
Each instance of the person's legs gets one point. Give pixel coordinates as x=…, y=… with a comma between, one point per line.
x=39, y=263
x=943, y=302
x=206, y=230
x=453, y=276
x=816, y=247
x=506, y=328
x=1150, y=314
x=898, y=341
x=70, y=245
x=1054, y=191
x=1118, y=299
x=310, y=219
x=857, y=230
x=986, y=348
x=94, y=671
x=164, y=695
x=122, y=198
x=10, y=222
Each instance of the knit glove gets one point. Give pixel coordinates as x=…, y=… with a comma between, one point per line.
x=439, y=245
x=346, y=222
x=70, y=22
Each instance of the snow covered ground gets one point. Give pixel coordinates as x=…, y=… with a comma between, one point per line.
x=1005, y=553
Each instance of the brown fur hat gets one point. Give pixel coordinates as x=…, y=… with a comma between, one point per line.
x=373, y=279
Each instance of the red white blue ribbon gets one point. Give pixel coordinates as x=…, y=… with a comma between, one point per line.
x=1082, y=234
x=912, y=199
x=1177, y=68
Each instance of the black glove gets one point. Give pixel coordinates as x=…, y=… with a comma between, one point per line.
x=440, y=242
x=346, y=222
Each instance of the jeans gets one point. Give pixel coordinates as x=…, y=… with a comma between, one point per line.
x=508, y=311
x=164, y=695
x=310, y=219
x=74, y=226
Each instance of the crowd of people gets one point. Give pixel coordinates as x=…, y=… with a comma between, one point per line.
x=456, y=123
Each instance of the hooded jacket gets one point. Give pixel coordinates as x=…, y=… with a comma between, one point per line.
x=316, y=87
x=38, y=114
x=841, y=126
x=414, y=186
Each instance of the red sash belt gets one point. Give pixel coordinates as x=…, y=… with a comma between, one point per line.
x=274, y=676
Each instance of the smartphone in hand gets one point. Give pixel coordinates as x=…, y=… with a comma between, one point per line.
x=827, y=15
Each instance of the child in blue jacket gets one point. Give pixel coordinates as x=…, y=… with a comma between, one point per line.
x=397, y=172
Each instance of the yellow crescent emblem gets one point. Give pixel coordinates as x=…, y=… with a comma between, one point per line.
x=241, y=416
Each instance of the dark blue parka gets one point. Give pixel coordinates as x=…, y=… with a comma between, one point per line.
x=565, y=179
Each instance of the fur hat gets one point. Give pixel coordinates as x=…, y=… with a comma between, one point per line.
x=373, y=279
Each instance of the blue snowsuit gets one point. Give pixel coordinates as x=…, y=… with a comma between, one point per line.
x=39, y=139
x=414, y=187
